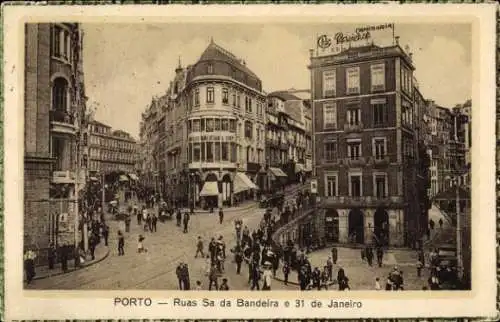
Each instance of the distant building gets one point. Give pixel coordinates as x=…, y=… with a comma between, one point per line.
x=365, y=146
x=111, y=150
x=54, y=112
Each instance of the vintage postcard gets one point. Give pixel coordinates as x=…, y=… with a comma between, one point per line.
x=311, y=161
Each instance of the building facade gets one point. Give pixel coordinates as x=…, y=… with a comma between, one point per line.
x=55, y=106
x=111, y=150
x=215, y=131
x=365, y=147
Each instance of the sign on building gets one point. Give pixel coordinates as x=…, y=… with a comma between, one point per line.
x=314, y=186
x=335, y=43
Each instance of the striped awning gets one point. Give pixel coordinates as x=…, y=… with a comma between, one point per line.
x=210, y=188
x=123, y=178
x=133, y=176
x=242, y=183
x=277, y=172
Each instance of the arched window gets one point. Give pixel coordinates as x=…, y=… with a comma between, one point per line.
x=60, y=95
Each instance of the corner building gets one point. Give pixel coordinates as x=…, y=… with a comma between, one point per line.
x=364, y=146
x=216, y=117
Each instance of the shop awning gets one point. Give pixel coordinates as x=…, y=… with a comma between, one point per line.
x=210, y=189
x=93, y=179
x=299, y=167
x=277, y=172
x=123, y=178
x=308, y=168
x=133, y=176
x=242, y=183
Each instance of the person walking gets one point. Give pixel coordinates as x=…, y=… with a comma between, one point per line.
x=267, y=277
x=139, y=216
x=286, y=272
x=128, y=219
x=329, y=268
x=238, y=258
x=342, y=280
x=440, y=223
x=224, y=286
x=178, y=273
x=369, y=255
x=199, y=248
x=334, y=255
x=29, y=265
x=51, y=255
x=121, y=244
x=185, y=277
x=154, y=221
x=186, y=222
x=255, y=276
x=92, y=245
x=178, y=217
x=105, y=233
x=380, y=256
x=213, y=278
x=221, y=215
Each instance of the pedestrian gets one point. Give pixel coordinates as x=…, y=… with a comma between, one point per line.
x=369, y=255
x=286, y=272
x=223, y=286
x=440, y=223
x=363, y=254
x=139, y=217
x=140, y=244
x=127, y=224
x=255, y=276
x=334, y=255
x=51, y=255
x=178, y=273
x=316, y=277
x=154, y=221
x=238, y=258
x=121, y=244
x=185, y=277
x=186, y=222
x=198, y=286
x=267, y=277
x=63, y=256
x=221, y=215
x=105, y=233
x=431, y=224
x=199, y=248
x=342, y=280
x=325, y=278
x=212, y=278
x=377, y=284
x=92, y=245
x=329, y=268
x=29, y=265
x=380, y=256
x=419, y=268
x=178, y=217
x=149, y=220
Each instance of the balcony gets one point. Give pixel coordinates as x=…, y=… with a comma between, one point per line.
x=363, y=201
x=62, y=122
x=384, y=161
x=60, y=177
x=353, y=128
x=213, y=165
x=357, y=162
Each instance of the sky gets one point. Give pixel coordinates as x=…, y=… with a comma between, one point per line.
x=125, y=65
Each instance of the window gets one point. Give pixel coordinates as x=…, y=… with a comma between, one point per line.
x=196, y=152
x=60, y=95
x=248, y=129
x=352, y=77
x=379, y=148
x=330, y=116
x=197, y=97
x=196, y=125
x=353, y=115
x=210, y=94
x=248, y=104
x=210, y=69
x=218, y=124
x=56, y=41
x=380, y=185
x=331, y=186
x=238, y=101
x=232, y=125
x=61, y=43
x=355, y=185
x=202, y=126
x=330, y=149
x=258, y=135
x=210, y=152
x=225, y=96
x=378, y=77
x=225, y=152
x=354, y=150
x=329, y=83
x=380, y=114
x=234, y=99
x=406, y=114
x=210, y=125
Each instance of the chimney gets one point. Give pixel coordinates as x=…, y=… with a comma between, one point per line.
x=397, y=40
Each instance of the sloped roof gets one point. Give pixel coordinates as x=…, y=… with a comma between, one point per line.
x=285, y=96
x=294, y=109
x=216, y=52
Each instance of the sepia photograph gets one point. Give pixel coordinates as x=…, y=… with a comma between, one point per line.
x=186, y=160
x=218, y=153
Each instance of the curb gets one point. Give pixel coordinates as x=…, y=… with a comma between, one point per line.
x=75, y=269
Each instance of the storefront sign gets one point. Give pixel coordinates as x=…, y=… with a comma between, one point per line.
x=328, y=44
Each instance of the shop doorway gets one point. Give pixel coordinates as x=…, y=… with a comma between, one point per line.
x=356, y=226
x=331, y=226
x=381, y=229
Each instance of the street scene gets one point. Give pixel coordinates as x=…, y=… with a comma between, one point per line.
x=207, y=157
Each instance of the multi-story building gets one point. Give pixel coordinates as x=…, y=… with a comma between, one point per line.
x=148, y=145
x=215, y=130
x=111, y=151
x=55, y=106
x=365, y=147
x=288, y=139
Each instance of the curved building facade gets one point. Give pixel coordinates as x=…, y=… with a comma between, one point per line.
x=215, y=136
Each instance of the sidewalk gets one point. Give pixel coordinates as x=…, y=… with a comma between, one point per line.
x=101, y=252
